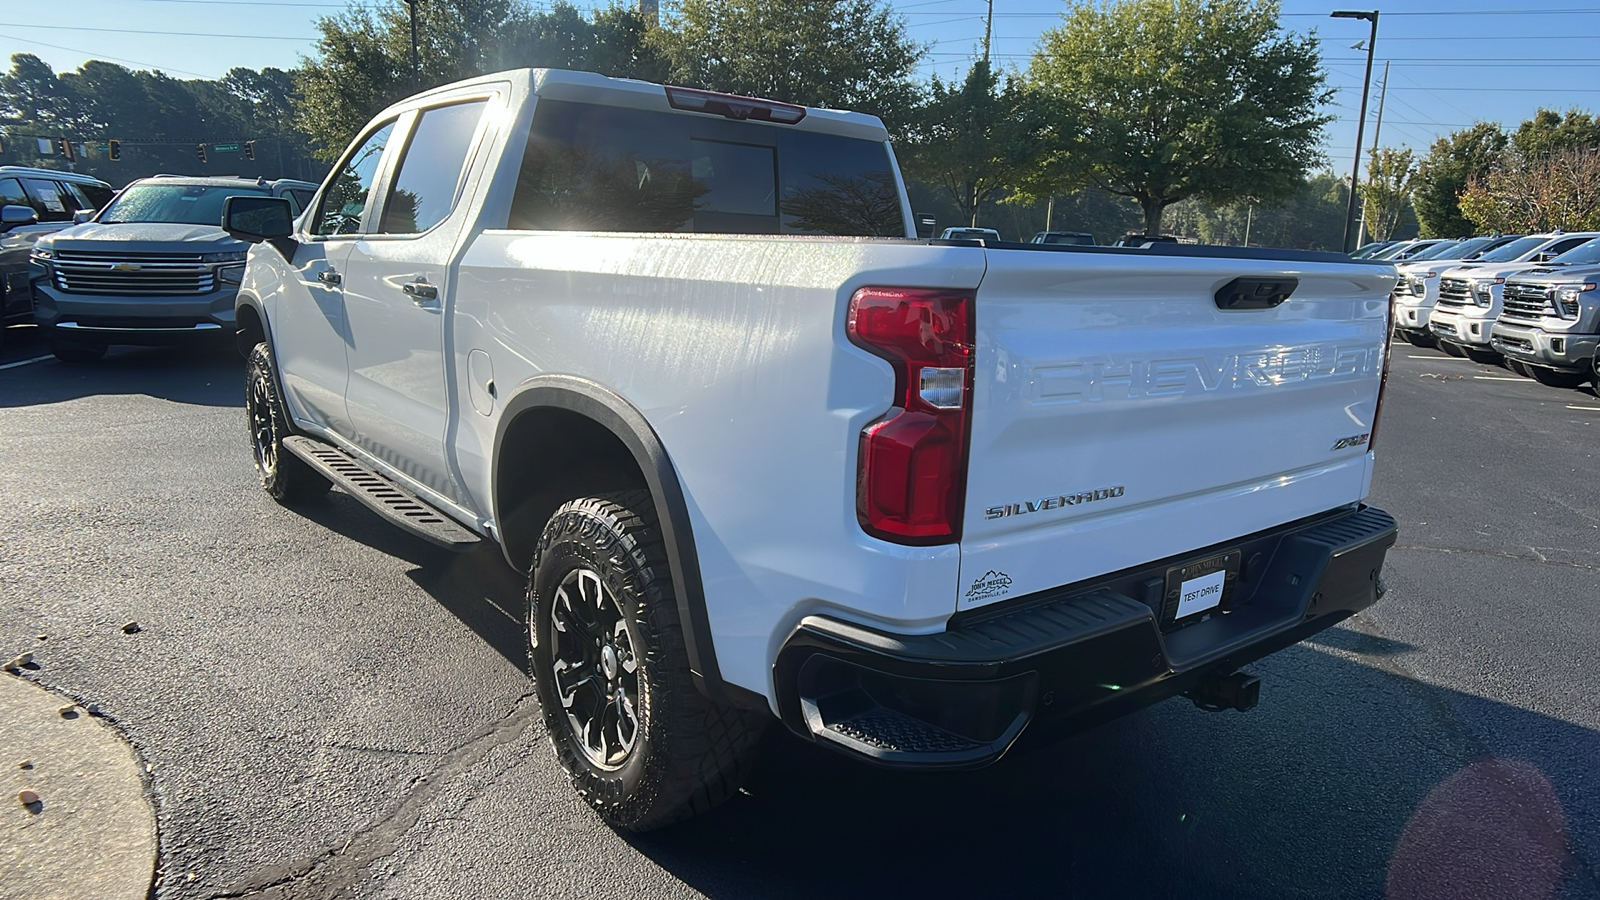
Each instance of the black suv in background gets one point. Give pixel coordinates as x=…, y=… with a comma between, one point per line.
x=34, y=203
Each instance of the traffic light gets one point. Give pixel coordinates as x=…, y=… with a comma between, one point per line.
x=114, y=150
x=200, y=151
x=249, y=149
x=66, y=149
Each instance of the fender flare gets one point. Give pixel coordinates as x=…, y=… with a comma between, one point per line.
x=628, y=425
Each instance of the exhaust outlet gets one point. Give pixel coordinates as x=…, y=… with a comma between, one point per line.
x=1237, y=691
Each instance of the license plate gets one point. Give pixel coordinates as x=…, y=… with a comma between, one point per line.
x=1199, y=587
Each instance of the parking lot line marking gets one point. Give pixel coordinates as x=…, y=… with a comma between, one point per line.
x=1499, y=378
x=1590, y=408
x=1439, y=358
x=26, y=362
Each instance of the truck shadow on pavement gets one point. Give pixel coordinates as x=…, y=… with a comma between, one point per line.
x=1352, y=782
x=477, y=586
x=198, y=375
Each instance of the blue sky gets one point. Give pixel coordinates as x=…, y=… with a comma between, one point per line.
x=1452, y=64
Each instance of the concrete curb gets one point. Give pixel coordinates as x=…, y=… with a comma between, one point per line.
x=92, y=830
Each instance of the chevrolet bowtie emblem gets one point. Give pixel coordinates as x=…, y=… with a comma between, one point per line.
x=126, y=267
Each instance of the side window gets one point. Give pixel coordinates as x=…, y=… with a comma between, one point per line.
x=48, y=200
x=346, y=196
x=424, y=185
x=11, y=193
x=1564, y=246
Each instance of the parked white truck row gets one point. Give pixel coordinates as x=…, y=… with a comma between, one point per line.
x=1527, y=300
x=766, y=456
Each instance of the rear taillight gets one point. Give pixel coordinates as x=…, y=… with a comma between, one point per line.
x=913, y=461
x=1383, y=382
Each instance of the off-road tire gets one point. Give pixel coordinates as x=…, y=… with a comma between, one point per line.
x=284, y=476
x=1449, y=349
x=1552, y=378
x=688, y=754
x=1419, y=339
x=1517, y=366
x=76, y=351
x=1480, y=355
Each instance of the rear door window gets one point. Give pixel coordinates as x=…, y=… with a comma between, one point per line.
x=49, y=200
x=423, y=190
x=599, y=168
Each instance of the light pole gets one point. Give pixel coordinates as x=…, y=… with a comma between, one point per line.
x=1366, y=88
x=416, y=76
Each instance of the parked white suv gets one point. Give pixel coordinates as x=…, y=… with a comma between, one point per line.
x=1471, y=294
x=766, y=456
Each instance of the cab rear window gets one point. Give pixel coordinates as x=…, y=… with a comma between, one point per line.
x=600, y=168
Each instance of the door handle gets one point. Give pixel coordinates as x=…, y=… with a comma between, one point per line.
x=329, y=276
x=421, y=292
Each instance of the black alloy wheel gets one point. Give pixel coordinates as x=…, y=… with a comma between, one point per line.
x=639, y=741
x=283, y=475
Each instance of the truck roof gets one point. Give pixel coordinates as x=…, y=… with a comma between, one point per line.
x=588, y=87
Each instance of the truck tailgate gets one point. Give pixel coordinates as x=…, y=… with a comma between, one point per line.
x=1120, y=416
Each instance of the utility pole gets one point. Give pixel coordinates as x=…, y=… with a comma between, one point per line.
x=1383, y=94
x=416, y=68
x=1361, y=122
x=988, y=30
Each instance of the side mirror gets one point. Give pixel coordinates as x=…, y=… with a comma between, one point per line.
x=259, y=220
x=15, y=214
x=81, y=216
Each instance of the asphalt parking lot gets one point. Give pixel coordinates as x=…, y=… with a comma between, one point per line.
x=333, y=709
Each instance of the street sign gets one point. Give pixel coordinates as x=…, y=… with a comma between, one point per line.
x=225, y=148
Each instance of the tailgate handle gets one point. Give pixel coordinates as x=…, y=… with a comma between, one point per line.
x=1255, y=293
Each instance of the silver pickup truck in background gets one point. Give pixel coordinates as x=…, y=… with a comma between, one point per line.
x=1551, y=320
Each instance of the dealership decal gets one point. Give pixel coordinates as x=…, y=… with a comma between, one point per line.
x=992, y=584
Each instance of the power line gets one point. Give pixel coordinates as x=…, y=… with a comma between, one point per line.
x=260, y=37
x=94, y=55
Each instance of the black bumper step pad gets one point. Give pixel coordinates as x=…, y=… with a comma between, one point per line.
x=381, y=495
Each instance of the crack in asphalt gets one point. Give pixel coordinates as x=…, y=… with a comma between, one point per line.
x=336, y=871
x=1536, y=556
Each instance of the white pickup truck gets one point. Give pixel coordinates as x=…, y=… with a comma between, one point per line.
x=763, y=454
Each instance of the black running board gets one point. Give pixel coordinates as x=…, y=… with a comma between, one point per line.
x=381, y=495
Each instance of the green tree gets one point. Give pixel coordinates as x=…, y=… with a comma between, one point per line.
x=973, y=139
x=1387, y=191
x=1452, y=162
x=839, y=54
x=1557, y=189
x=1162, y=100
x=1549, y=132
x=158, y=120
x=363, y=57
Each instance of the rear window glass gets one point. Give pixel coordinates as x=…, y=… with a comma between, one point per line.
x=601, y=168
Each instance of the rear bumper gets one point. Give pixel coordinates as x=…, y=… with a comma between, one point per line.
x=1045, y=666
x=114, y=319
x=1561, y=352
